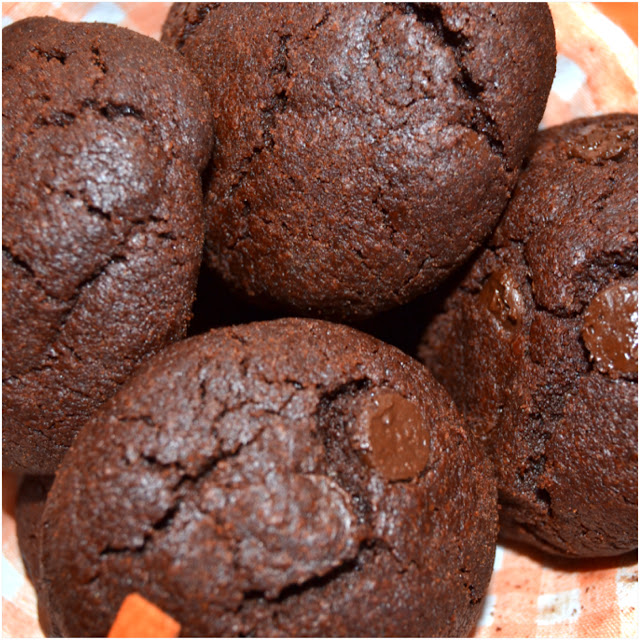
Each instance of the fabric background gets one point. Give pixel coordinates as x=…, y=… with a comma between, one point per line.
x=531, y=595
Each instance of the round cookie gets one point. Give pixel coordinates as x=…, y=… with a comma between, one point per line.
x=29, y=507
x=281, y=478
x=538, y=343
x=104, y=136
x=363, y=150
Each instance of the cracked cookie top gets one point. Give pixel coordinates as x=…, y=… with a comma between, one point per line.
x=363, y=150
x=538, y=343
x=283, y=478
x=104, y=138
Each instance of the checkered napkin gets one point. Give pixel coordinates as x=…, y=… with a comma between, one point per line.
x=530, y=595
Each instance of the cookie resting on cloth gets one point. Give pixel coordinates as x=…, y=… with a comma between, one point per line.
x=538, y=345
x=104, y=136
x=363, y=151
x=283, y=478
x=30, y=503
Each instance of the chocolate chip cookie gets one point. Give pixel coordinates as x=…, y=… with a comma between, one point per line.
x=282, y=478
x=538, y=345
x=364, y=151
x=104, y=135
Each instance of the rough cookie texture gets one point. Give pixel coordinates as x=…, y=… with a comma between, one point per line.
x=282, y=478
x=363, y=150
x=539, y=343
x=104, y=135
x=29, y=508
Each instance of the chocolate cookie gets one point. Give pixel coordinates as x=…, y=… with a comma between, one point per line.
x=281, y=478
x=538, y=345
x=29, y=508
x=104, y=135
x=363, y=150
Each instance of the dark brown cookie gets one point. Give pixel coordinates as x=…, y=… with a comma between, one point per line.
x=104, y=135
x=284, y=478
x=538, y=344
x=363, y=150
x=29, y=508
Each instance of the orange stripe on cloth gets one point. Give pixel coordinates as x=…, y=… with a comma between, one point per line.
x=71, y=11
x=624, y=14
x=19, y=621
x=146, y=17
x=515, y=586
x=600, y=599
x=560, y=605
x=138, y=618
x=608, y=59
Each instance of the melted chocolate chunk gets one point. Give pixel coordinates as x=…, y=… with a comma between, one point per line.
x=597, y=144
x=610, y=330
x=393, y=436
x=502, y=297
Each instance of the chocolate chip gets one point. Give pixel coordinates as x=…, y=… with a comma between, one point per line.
x=610, y=329
x=393, y=436
x=502, y=297
x=598, y=144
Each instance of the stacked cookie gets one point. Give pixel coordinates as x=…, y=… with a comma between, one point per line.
x=296, y=476
x=362, y=154
x=104, y=136
x=538, y=344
